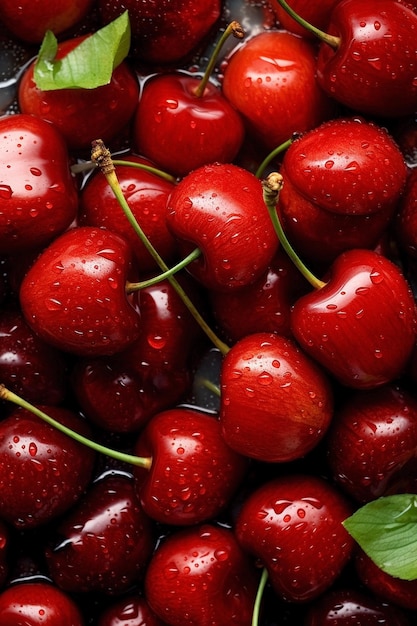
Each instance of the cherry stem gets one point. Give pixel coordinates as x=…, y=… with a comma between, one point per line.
x=259, y=596
x=102, y=157
x=145, y=462
x=235, y=29
x=272, y=186
x=272, y=155
x=132, y=287
x=208, y=384
x=79, y=168
x=331, y=40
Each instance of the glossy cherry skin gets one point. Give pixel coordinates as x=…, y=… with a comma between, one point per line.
x=31, y=21
x=43, y=472
x=276, y=404
x=180, y=130
x=345, y=607
x=28, y=366
x=83, y=115
x=374, y=62
x=121, y=393
x=38, y=604
x=407, y=217
x=105, y=542
x=167, y=31
x=361, y=325
x=293, y=525
x=199, y=577
x=400, y=592
x=130, y=611
x=267, y=302
x=271, y=80
x=193, y=474
x=4, y=552
x=372, y=443
x=146, y=194
x=74, y=295
x=38, y=194
x=220, y=209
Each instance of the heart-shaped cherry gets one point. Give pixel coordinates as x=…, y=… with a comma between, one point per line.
x=74, y=294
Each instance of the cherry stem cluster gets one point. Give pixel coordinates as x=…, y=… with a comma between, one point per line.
x=331, y=40
x=145, y=462
x=102, y=157
x=272, y=186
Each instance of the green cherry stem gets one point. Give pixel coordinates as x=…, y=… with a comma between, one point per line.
x=145, y=462
x=235, y=29
x=102, y=157
x=86, y=166
x=272, y=155
x=131, y=287
x=208, y=384
x=272, y=186
x=259, y=596
x=331, y=40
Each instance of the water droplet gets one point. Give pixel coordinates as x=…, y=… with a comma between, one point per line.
x=172, y=104
x=52, y=304
x=156, y=341
x=376, y=277
x=5, y=192
x=221, y=555
x=33, y=448
x=329, y=164
x=265, y=379
x=35, y=171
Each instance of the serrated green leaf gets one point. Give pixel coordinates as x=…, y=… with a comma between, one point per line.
x=88, y=65
x=386, y=530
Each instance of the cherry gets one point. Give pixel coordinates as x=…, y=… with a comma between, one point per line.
x=220, y=209
x=372, y=443
x=28, y=365
x=271, y=80
x=4, y=552
x=316, y=13
x=200, y=576
x=344, y=607
x=38, y=194
x=293, y=525
x=104, y=543
x=147, y=194
x=361, y=324
x=269, y=386
x=82, y=115
x=31, y=21
x=407, y=217
x=183, y=122
x=42, y=471
x=74, y=294
x=130, y=611
x=120, y=393
x=366, y=59
x=167, y=31
x=38, y=604
x=193, y=473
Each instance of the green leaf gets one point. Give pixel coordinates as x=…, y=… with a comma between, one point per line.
x=386, y=530
x=88, y=65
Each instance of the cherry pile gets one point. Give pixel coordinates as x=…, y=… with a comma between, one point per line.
x=191, y=448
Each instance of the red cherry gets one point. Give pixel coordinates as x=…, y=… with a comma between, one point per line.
x=361, y=325
x=166, y=31
x=146, y=194
x=407, y=217
x=372, y=443
x=74, y=294
x=271, y=80
x=372, y=65
x=193, y=474
x=181, y=130
x=105, y=542
x=4, y=552
x=42, y=471
x=293, y=525
x=316, y=13
x=220, y=209
x=276, y=404
x=38, y=194
x=200, y=576
x=345, y=607
x=83, y=115
x=28, y=365
x=31, y=21
x=37, y=604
